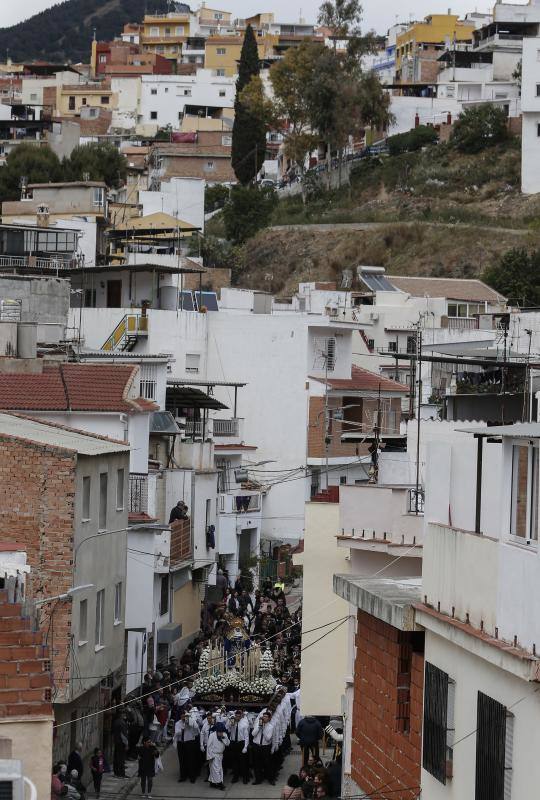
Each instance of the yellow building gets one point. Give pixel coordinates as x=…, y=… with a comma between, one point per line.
x=419, y=47
x=165, y=34
x=222, y=53
x=213, y=16
x=71, y=99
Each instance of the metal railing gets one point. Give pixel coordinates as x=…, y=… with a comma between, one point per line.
x=239, y=503
x=193, y=428
x=462, y=323
x=129, y=328
x=138, y=493
x=38, y=262
x=226, y=427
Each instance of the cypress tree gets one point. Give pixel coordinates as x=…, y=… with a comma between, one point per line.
x=249, y=131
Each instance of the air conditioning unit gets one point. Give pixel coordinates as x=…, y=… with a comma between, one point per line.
x=11, y=779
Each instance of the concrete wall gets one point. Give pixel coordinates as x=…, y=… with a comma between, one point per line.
x=379, y=509
x=174, y=92
x=100, y=561
x=44, y=300
x=31, y=743
x=187, y=611
x=324, y=666
x=182, y=198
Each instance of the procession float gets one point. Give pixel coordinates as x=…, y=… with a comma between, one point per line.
x=235, y=669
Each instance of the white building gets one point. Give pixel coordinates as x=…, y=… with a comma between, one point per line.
x=479, y=590
x=166, y=99
x=182, y=198
x=530, y=105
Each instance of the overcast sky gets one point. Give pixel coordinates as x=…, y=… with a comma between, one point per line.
x=378, y=14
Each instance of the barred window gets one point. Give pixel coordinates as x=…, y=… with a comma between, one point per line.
x=439, y=691
x=494, y=744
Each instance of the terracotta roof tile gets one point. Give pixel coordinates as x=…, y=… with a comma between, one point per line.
x=75, y=387
x=362, y=380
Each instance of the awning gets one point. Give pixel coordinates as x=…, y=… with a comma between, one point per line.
x=163, y=422
x=180, y=396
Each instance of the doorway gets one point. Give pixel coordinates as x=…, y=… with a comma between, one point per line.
x=114, y=294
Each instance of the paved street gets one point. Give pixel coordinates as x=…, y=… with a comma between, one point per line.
x=166, y=785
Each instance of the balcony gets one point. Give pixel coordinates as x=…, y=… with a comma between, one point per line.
x=240, y=502
x=459, y=323
x=228, y=428
x=56, y=264
x=138, y=493
x=181, y=544
x=381, y=518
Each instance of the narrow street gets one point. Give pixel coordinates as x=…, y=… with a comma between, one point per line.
x=166, y=783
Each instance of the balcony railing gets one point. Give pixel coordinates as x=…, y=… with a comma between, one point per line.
x=460, y=323
x=181, y=546
x=35, y=262
x=193, y=428
x=415, y=501
x=226, y=427
x=138, y=493
x=241, y=503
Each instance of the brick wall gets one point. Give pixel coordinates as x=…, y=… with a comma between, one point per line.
x=25, y=681
x=387, y=708
x=37, y=495
x=192, y=166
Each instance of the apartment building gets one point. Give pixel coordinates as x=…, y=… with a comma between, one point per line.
x=71, y=518
x=165, y=34
x=477, y=608
x=202, y=154
x=418, y=47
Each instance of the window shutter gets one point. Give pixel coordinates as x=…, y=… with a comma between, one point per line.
x=508, y=756
x=435, y=722
x=490, y=749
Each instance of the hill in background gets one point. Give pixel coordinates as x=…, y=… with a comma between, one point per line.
x=64, y=32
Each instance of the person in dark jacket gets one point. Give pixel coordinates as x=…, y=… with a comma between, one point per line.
x=120, y=739
x=75, y=760
x=97, y=768
x=178, y=512
x=147, y=753
x=309, y=732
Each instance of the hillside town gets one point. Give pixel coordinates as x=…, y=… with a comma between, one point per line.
x=241, y=391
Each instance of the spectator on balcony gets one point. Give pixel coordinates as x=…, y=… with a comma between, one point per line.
x=178, y=512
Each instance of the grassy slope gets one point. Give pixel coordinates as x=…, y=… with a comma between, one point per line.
x=475, y=197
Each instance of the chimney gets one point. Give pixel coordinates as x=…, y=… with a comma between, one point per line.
x=42, y=216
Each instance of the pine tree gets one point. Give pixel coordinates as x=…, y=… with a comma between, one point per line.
x=249, y=130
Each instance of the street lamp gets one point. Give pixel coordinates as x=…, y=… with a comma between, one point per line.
x=65, y=595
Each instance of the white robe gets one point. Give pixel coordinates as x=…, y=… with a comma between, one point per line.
x=214, y=754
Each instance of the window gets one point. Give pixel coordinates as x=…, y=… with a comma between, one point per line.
x=226, y=141
x=192, y=362
x=92, y=112
x=148, y=381
x=153, y=91
x=33, y=98
x=524, y=502
x=179, y=30
x=222, y=93
x=164, y=595
x=118, y=601
x=221, y=51
x=538, y=89
x=411, y=344
x=98, y=198
x=209, y=166
x=166, y=90
x=86, y=488
x=154, y=31
x=83, y=101
x=494, y=740
x=223, y=467
x=120, y=483
x=439, y=692
x=105, y=100
x=538, y=55
x=153, y=115
x=100, y=619
x=167, y=31
x=83, y=622
x=71, y=102
x=103, y=59
x=103, y=481
x=208, y=518
x=392, y=347
x=221, y=74
x=187, y=92
x=218, y=15
x=538, y=129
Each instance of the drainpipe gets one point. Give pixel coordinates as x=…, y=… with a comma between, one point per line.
x=480, y=440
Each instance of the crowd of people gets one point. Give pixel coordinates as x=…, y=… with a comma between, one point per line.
x=250, y=744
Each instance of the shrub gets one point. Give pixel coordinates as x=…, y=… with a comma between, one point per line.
x=479, y=127
x=414, y=139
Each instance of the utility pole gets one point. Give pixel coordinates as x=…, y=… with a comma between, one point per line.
x=419, y=408
x=327, y=431
x=374, y=448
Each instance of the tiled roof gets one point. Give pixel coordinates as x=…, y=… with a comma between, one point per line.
x=73, y=387
x=450, y=288
x=362, y=380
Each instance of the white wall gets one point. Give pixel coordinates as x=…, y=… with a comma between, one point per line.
x=473, y=674
x=530, y=104
x=126, y=110
x=170, y=98
x=182, y=198
x=429, y=109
